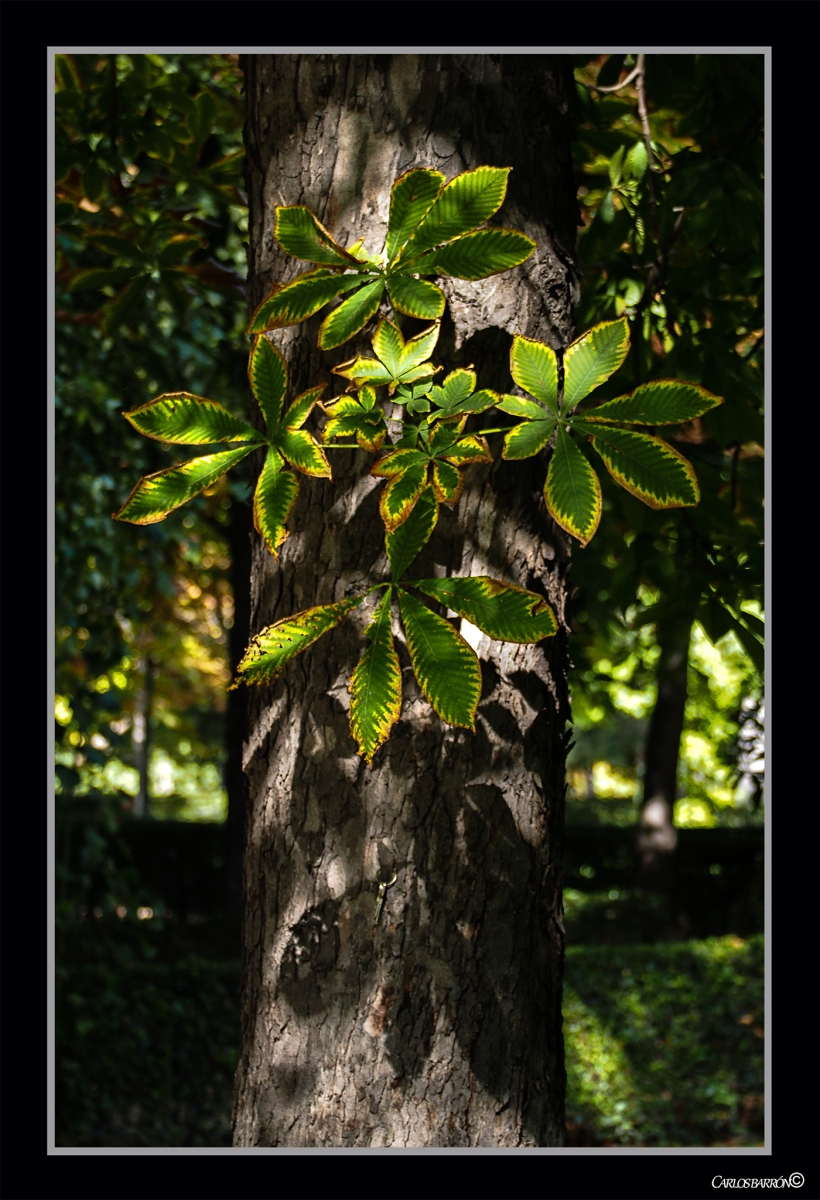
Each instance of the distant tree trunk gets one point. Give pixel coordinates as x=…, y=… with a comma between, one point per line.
x=657, y=838
x=442, y=1026
x=141, y=733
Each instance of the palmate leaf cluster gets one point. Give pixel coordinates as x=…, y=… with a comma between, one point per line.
x=432, y=230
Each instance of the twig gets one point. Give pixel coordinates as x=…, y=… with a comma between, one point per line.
x=647, y=137
x=617, y=86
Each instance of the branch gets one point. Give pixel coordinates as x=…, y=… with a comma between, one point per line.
x=647, y=137
x=616, y=87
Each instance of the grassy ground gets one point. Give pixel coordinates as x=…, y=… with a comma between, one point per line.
x=664, y=1043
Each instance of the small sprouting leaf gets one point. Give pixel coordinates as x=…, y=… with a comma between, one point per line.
x=268, y=376
x=662, y=402
x=375, y=685
x=646, y=466
x=592, y=358
x=572, y=490
x=273, y=500
x=502, y=610
x=189, y=420
x=351, y=316
x=302, y=407
x=299, y=234
x=454, y=389
x=271, y=650
x=534, y=367
x=527, y=439
x=466, y=202
x=410, y=199
x=415, y=297
x=293, y=302
x=303, y=452
x=155, y=496
x=349, y=416
x=404, y=544
x=478, y=255
x=445, y=666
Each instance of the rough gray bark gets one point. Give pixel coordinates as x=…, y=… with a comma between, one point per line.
x=442, y=1027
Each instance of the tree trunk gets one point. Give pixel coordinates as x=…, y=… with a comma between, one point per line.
x=441, y=1026
x=239, y=533
x=657, y=838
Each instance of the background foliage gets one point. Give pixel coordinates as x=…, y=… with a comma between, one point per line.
x=151, y=219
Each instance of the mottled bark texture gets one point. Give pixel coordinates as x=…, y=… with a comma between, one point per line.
x=442, y=1026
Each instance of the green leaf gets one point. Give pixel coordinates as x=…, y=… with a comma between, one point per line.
x=447, y=482
x=479, y=402
x=410, y=199
x=351, y=316
x=647, y=467
x=388, y=345
x=662, y=402
x=268, y=376
x=93, y=181
x=465, y=203
x=418, y=350
x=302, y=407
x=299, y=234
x=592, y=358
x=272, y=649
x=305, y=295
x=518, y=406
x=273, y=500
x=488, y=252
x=117, y=246
x=404, y=544
x=360, y=370
x=117, y=312
x=444, y=665
x=155, y=496
x=456, y=388
x=446, y=434
x=100, y=277
x=572, y=490
x=534, y=367
x=185, y=419
x=467, y=450
x=502, y=610
x=527, y=439
x=415, y=297
x=399, y=497
x=302, y=452
x=177, y=250
x=375, y=685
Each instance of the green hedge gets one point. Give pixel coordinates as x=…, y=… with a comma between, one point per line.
x=664, y=1043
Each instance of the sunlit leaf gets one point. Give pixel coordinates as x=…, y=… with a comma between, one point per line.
x=405, y=543
x=271, y=650
x=572, y=490
x=155, y=496
x=301, y=298
x=534, y=367
x=446, y=668
x=410, y=199
x=647, y=467
x=360, y=370
x=470, y=449
x=400, y=495
x=478, y=255
x=273, y=500
x=303, y=452
x=502, y=610
x=662, y=402
x=351, y=316
x=302, y=406
x=520, y=406
x=527, y=439
x=375, y=685
x=268, y=376
x=415, y=297
x=397, y=461
x=465, y=203
x=592, y=358
x=300, y=234
x=448, y=482
x=388, y=345
x=185, y=419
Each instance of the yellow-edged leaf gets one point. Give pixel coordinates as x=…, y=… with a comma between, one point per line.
x=271, y=650
x=273, y=500
x=647, y=467
x=446, y=668
x=572, y=490
x=375, y=685
x=592, y=358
